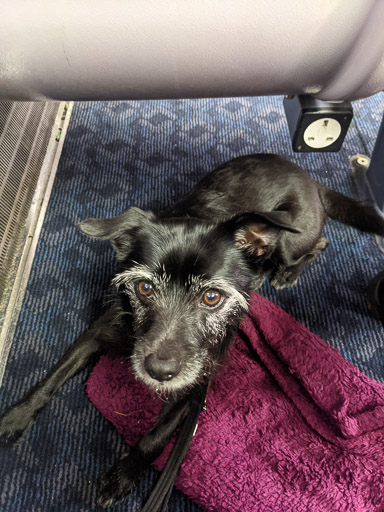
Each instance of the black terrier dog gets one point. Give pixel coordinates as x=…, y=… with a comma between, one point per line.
x=183, y=283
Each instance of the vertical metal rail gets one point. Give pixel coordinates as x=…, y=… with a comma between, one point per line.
x=31, y=137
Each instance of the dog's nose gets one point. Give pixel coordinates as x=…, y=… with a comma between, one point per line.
x=161, y=369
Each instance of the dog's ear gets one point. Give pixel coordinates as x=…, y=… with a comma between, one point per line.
x=258, y=232
x=119, y=230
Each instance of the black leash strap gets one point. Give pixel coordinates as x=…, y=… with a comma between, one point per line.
x=158, y=500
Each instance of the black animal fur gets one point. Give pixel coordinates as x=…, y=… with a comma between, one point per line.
x=183, y=282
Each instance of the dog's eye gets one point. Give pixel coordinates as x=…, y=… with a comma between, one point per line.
x=211, y=298
x=145, y=288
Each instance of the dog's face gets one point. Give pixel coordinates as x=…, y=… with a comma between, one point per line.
x=184, y=284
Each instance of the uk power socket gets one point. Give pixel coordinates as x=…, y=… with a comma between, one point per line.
x=316, y=125
x=322, y=133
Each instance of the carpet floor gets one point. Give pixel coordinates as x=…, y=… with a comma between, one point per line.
x=147, y=154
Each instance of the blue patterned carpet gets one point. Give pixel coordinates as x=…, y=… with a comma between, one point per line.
x=147, y=154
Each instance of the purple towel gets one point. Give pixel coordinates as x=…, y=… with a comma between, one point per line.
x=290, y=427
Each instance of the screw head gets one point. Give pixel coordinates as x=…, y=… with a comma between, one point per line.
x=361, y=160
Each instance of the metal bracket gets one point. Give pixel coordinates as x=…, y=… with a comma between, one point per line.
x=360, y=165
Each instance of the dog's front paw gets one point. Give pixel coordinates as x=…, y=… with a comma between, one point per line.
x=13, y=423
x=116, y=484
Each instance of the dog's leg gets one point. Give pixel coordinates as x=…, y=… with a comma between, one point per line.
x=124, y=474
x=18, y=418
x=287, y=276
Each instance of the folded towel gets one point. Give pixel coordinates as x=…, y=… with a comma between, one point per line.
x=290, y=425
